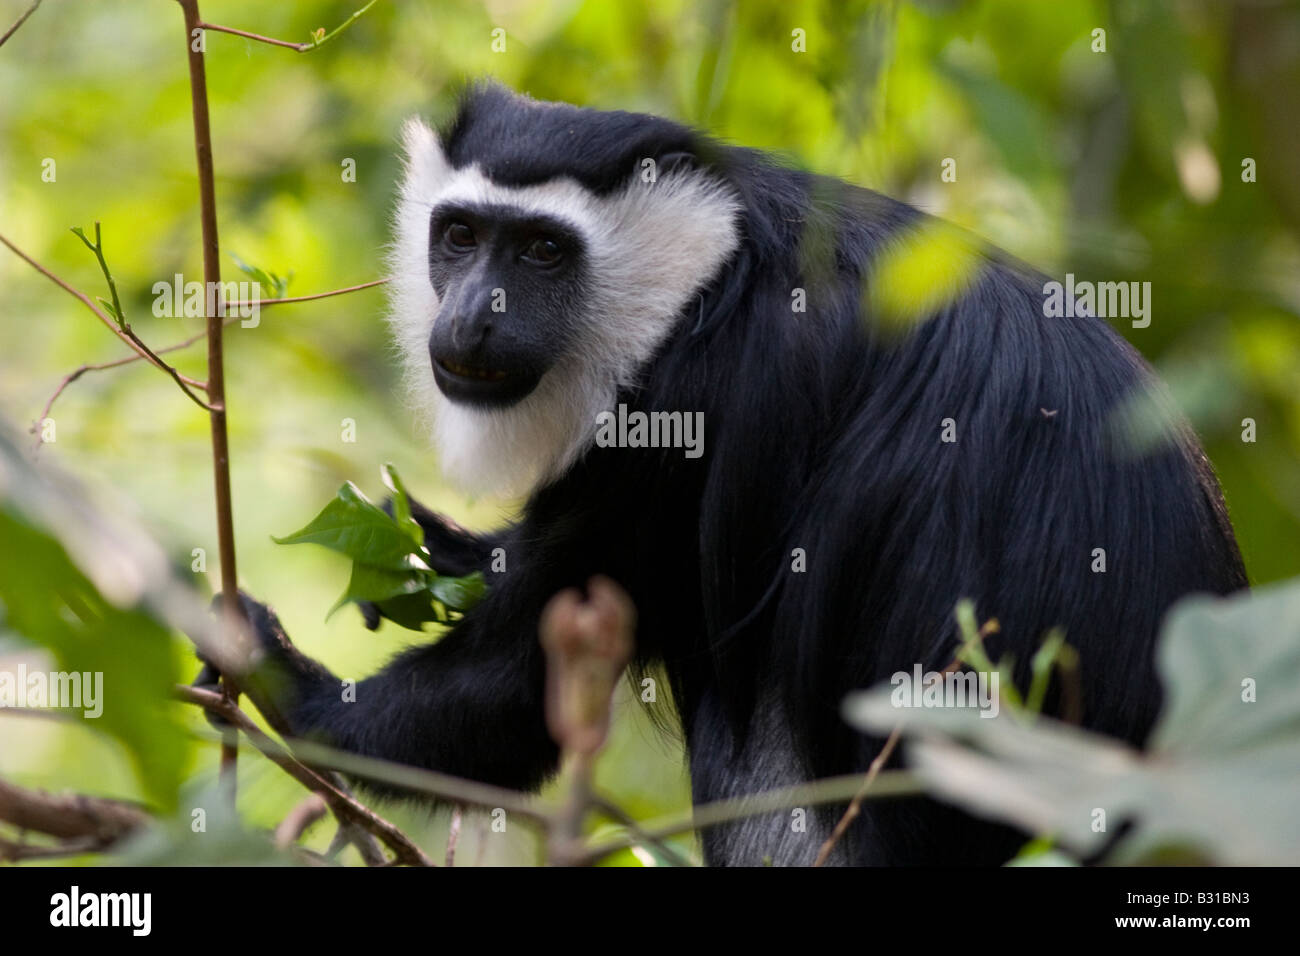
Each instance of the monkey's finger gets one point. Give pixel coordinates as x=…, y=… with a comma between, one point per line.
x=208, y=679
x=370, y=615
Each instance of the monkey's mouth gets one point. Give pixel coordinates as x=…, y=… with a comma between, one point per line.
x=467, y=371
x=481, y=385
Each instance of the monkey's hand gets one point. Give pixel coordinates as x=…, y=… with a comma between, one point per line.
x=453, y=551
x=272, y=672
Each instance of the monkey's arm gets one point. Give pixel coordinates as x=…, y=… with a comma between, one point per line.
x=469, y=705
x=455, y=550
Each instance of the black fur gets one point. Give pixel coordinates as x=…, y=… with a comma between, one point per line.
x=818, y=435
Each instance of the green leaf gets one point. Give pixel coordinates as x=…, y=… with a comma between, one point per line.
x=275, y=285
x=402, y=505
x=389, y=560
x=410, y=610
x=460, y=594
x=1220, y=781
x=354, y=526
x=93, y=594
x=369, y=583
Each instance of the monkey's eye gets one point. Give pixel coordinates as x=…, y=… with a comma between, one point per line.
x=459, y=237
x=542, y=252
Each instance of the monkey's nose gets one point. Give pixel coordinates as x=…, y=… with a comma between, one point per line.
x=470, y=332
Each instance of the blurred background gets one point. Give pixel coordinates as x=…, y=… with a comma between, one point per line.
x=1164, y=148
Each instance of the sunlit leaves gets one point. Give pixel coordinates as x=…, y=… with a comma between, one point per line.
x=390, y=565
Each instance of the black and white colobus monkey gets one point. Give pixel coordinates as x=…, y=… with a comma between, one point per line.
x=541, y=278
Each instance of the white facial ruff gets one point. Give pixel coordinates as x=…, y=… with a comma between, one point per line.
x=651, y=248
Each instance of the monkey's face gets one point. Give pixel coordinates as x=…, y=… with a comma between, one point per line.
x=524, y=299
x=510, y=288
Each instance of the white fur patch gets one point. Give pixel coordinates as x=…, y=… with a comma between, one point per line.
x=651, y=246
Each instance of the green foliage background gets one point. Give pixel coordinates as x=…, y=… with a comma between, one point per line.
x=1073, y=160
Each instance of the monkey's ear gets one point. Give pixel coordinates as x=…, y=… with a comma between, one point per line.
x=426, y=163
x=417, y=138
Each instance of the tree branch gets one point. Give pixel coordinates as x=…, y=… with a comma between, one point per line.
x=291, y=828
x=20, y=21
x=972, y=639
x=128, y=337
x=319, y=37
x=186, y=343
x=70, y=815
x=120, y=317
x=344, y=806
x=895, y=783
x=234, y=611
x=263, y=303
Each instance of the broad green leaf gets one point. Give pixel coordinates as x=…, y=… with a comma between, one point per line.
x=100, y=598
x=1219, y=783
x=402, y=505
x=411, y=611
x=460, y=594
x=355, y=526
x=389, y=567
x=369, y=583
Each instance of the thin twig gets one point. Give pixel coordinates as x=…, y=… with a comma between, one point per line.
x=120, y=317
x=443, y=786
x=20, y=21
x=855, y=805
x=854, y=809
x=894, y=783
x=319, y=38
x=186, y=343
x=136, y=345
x=263, y=303
x=234, y=609
x=344, y=806
x=616, y=813
x=292, y=827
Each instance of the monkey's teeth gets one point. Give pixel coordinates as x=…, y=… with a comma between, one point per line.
x=490, y=375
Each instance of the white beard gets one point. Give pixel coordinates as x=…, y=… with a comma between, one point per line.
x=652, y=247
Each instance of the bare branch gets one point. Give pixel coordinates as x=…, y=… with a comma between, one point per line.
x=855, y=805
x=129, y=338
x=587, y=643
x=69, y=815
x=16, y=852
x=895, y=783
x=186, y=343
x=120, y=317
x=291, y=828
x=263, y=303
x=891, y=743
x=616, y=813
x=234, y=609
x=344, y=806
x=441, y=785
x=20, y=21
x=319, y=37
